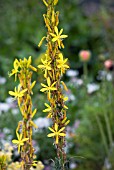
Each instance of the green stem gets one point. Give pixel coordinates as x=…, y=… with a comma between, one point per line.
x=85, y=73
x=108, y=129
x=85, y=70
x=103, y=136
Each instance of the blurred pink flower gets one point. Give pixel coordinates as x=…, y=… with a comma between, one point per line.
x=76, y=124
x=84, y=55
x=108, y=64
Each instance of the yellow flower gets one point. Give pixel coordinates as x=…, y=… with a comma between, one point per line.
x=20, y=141
x=65, y=121
x=64, y=85
x=46, y=4
x=56, y=132
x=27, y=64
x=61, y=63
x=55, y=2
x=38, y=165
x=16, y=65
x=48, y=109
x=40, y=43
x=17, y=93
x=58, y=37
x=45, y=66
x=49, y=87
x=33, y=113
x=33, y=124
x=32, y=85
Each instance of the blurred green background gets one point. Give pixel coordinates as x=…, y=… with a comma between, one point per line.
x=89, y=25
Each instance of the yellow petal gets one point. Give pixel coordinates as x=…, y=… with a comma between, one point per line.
x=43, y=85
x=33, y=124
x=63, y=36
x=12, y=93
x=65, y=99
x=48, y=81
x=56, y=127
x=51, y=129
x=56, y=30
x=55, y=39
x=67, y=122
x=50, y=135
x=33, y=84
x=49, y=115
x=63, y=121
x=46, y=4
x=40, y=43
x=53, y=84
x=61, y=129
x=43, y=89
x=57, y=138
x=34, y=112
x=55, y=2
x=47, y=110
x=25, y=139
x=41, y=66
x=60, y=31
x=65, y=107
x=62, y=134
x=15, y=141
x=33, y=68
x=64, y=85
x=20, y=137
x=53, y=35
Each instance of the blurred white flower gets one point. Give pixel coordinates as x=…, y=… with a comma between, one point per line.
x=6, y=131
x=2, y=135
x=109, y=77
x=76, y=81
x=70, y=96
x=2, y=80
x=4, y=107
x=9, y=100
x=79, y=82
x=15, y=111
x=107, y=164
x=76, y=124
x=72, y=73
x=92, y=88
x=102, y=75
x=73, y=165
x=42, y=122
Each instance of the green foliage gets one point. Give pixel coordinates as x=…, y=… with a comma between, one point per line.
x=20, y=31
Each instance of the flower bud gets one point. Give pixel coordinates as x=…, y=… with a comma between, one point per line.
x=84, y=55
x=109, y=64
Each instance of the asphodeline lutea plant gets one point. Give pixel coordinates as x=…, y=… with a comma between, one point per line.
x=54, y=66
x=23, y=71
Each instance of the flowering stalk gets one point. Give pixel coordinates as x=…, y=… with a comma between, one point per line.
x=54, y=66
x=85, y=56
x=22, y=70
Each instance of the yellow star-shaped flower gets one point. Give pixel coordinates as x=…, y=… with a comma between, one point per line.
x=45, y=66
x=16, y=65
x=20, y=141
x=26, y=63
x=48, y=109
x=61, y=63
x=58, y=37
x=56, y=132
x=17, y=93
x=49, y=87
